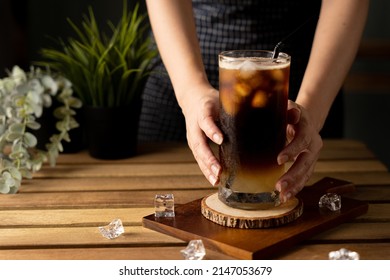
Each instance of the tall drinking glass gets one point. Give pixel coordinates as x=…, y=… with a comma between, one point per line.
x=253, y=90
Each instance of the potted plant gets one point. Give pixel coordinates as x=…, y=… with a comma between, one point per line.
x=108, y=73
x=23, y=97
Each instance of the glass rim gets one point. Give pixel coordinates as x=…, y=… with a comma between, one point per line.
x=235, y=54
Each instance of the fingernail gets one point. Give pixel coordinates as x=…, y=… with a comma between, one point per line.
x=279, y=187
x=286, y=197
x=215, y=169
x=217, y=138
x=282, y=159
x=212, y=180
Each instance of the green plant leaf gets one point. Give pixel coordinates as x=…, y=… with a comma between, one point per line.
x=98, y=63
x=30, y=140
x=14, y=189
x=33, y=125
x=15, y=173
x=3, y=187
x=26, y=173
x=17, y=128
x=74, y=102
x=12, y=136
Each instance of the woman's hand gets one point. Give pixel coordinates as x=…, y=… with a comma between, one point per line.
x=303, y=148
x=201, y=109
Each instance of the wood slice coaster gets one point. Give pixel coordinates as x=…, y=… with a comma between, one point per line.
x=218, y=212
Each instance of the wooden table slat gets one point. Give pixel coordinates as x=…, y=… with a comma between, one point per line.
x=115, y=253
x=72, y=217
x=80, y=236
x=182, y=169
x=365, y=232
x=75, y=200
x=116, y=184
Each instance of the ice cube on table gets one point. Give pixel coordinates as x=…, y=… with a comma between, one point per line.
x=343, y=254
x=194, y=251
x=331, y=201
x=113, y=229
x=164, y=206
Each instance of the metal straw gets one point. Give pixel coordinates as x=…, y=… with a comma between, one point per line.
x=279, y=45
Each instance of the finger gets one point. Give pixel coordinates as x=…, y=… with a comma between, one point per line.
x=301, y=142
x=299, y=173
x=206, y=121
x=205, y=158
x=211, y=130
x=290, y=133
x=293, y=115
x=293, y=181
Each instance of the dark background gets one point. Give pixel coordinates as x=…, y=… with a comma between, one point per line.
x=27, y=25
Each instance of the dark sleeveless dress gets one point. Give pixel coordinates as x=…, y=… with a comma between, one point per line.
x=236, y=24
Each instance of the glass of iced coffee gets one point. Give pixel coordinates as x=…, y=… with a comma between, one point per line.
x=253, y=90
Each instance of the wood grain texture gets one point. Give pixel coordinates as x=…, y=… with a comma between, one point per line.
x=56, y=214
x=114, y=253
x=76, y=200
x=61, y=237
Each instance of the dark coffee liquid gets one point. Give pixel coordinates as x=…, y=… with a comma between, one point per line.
x=253, y=120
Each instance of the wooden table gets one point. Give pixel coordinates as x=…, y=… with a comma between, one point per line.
x=56, y=215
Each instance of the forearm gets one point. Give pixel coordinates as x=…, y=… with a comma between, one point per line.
x=174, y=30
x=336, y=41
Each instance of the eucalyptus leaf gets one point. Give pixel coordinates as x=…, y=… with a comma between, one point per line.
x=18, y=147
x=17, y=128
x=6, y=175
x=26, y=173
x=7, y=183
x=14, y=189
x=66, y=137
x=74, y=102
x=36, y=166
x=33, y=125
x=15, y=173
x=3, y=187
x=73, y=123
x=63, y=111
x=30, y=140
x=12, y=136
x=10, y=182
x=61, y=125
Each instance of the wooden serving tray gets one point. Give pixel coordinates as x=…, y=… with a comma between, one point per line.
x=189, y=224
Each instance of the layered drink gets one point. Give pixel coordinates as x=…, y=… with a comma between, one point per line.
x=253, y=90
